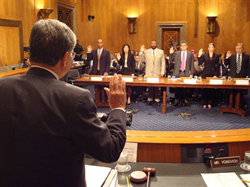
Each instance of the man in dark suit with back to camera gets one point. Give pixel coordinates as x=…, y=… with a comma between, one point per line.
x=183, y=67
x=47, y=125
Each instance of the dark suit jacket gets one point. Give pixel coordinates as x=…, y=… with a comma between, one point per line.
x=211, y=67
x=245, y=67
x=140, y=70
x=104, y=61
x=46, y=128
x=130, y=63
x=189, y=69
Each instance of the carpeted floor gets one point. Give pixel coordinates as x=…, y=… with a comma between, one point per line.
x=150, y=118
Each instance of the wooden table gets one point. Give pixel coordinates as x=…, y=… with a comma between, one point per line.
x=14, y=72
x=164, y=83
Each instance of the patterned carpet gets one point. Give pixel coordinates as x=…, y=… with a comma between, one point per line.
x=150, y=118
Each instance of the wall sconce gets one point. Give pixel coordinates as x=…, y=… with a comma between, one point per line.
x=44, y=13
x=91, y=17
x=132, y=25
x=211, y=24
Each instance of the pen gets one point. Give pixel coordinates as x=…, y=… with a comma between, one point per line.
x=127, y=182
x=245, y=180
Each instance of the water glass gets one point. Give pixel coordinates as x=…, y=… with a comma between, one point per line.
x=122, y=163
x=247, y=160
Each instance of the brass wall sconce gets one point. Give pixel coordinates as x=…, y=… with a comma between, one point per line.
x=211, y=24
x=44, y=13
x=132, y=25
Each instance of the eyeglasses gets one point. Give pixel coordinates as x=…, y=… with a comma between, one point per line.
x=73, y=55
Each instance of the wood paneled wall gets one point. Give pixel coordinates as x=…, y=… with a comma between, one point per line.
x=111, y=24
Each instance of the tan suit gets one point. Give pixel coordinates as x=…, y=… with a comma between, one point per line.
x=154, y=67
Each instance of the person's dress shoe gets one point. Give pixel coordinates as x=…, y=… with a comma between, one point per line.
x=209, y=107
x=204, y=106
x=158, y=103
x=149, y=103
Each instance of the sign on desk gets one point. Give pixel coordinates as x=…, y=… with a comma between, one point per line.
x=131, y=148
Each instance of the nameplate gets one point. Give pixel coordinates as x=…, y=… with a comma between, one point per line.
x=215, y=81
x=128, y=79
x=131, y=148
x=189, y=81
x=242, y=82
x=154, y=80
x=96, y=78
x=225, y=161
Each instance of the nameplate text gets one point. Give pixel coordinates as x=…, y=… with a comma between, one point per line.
x=215, y=81
x=224, y=161
x=96, y=78
x=154, y=79
x=242, y=82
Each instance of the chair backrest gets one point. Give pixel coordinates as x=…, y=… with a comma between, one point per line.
x=73, y=74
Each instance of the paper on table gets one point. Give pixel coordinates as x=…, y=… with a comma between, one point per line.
x=246, y=177
x=222, y=180
x=96, y=175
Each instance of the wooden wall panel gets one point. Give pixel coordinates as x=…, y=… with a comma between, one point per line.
x=158, y=153
x=12, y=56
x=238, y=149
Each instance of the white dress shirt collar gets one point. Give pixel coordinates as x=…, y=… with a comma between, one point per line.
x=49, y=70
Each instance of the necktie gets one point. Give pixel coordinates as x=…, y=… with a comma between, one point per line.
x=183, y=62
x=238, y=64
x=153, y=56
x=99, y=55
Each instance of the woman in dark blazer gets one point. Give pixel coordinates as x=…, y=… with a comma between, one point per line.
x=127, y=62
x=211, y=69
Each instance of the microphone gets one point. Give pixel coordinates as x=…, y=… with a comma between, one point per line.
x=212, y=157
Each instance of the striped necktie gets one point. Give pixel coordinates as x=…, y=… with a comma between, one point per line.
x=238, y=64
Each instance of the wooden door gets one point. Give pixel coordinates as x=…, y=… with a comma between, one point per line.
x=169, y=36
x=65, y=15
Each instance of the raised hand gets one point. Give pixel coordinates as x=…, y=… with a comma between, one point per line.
x=228, y=54
x=171, y=50
x=142, y=48
x=118, y=56
x=89, y=49
x=200, y=53
x=116, y=92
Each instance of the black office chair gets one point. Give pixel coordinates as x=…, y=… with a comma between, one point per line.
x=72, y=75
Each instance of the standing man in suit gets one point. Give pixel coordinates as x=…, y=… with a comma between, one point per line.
x=101, y=66
x=239, y=67
x=101, y=59
x=155, y=66
x=183, y=67
x=48, y=125
x=238, y=62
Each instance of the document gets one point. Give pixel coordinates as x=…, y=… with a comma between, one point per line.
x=222, y=180
x=96, y=175
x=246, y=177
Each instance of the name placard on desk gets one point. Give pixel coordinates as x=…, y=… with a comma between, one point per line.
x=131, y=148
x=189, y=81
x=128, y=79
x=224, y=161
x=215, y=81
x=242, y=82
x=153, y=79
x=96, y=78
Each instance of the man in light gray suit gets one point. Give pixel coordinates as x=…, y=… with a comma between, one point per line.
x=155, y=66
x=183, y=67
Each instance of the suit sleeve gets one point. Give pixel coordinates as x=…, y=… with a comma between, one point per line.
x=217, y=66
x=248, y=65
x=133, y=64
x=101, y=141
x=192, y=64
x=89, y=56
x=163, y=63
x=107, y=62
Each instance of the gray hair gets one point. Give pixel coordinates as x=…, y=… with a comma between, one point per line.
x=49, y=41
x=240, y=44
